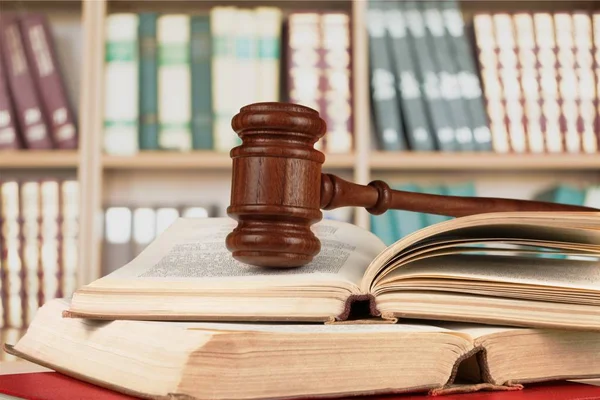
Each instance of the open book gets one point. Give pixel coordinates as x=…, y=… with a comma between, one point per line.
x=265, y=361
x=517, y=269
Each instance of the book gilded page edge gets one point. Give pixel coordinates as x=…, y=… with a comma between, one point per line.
x=11, y=350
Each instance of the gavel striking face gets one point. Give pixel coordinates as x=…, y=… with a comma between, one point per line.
x=278, y=189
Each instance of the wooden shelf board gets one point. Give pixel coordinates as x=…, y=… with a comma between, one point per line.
x=196, y=160
x=404, y=161
x=31, y=159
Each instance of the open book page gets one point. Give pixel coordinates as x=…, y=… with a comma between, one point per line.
x=578, y=281
x=579, y=229
x=191, y=254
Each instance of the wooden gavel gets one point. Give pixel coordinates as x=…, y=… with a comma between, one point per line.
x=278, y=189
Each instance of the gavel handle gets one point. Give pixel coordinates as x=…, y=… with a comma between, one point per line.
x=377, y=198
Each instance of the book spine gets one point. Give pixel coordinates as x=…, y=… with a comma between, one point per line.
x=12, y=271
x=509, y=78
x=567, y=83
x=546, y=56
x=439, y=112
x=414, y=113
x=596, y=34
x=45, y=67
x=174, y=83
x=28, y=107
x=148, y=82
x=224, y=70
x=30, y=246
x=121, y=101
x=529, y=79
x=116, y=249
x=303, y=62
x=69, y=195
x=9, y=138
x=447, y=72
x=51, y=240
x=143, y=229
x=10, y=335
x=384, y=97
x=584, y=72
x=202, y=132
x=246, y=58
x=336, y=73
x=269, y=54
x=488, y=61
x=469, y=83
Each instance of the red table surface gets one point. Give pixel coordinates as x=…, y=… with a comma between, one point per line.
x=55, y=386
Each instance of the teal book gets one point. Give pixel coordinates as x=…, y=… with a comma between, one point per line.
x=406, y=222
x=383, y=226
x=148, y=78
x=431, y=219
x=202, y=132
x=466, y=189
x=563, y=194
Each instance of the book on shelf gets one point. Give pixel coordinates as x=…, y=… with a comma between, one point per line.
x=426, y=275
x=38, y=239
x=254, y=361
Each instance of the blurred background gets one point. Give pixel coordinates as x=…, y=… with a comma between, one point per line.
x=115, y=114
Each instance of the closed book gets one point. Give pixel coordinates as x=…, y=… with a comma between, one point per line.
x=51, y=240
x=174, y=82
x=470, y=86
x=202, y=112
x=31, y=119
x=384, y=97
x=269, y=53
x=116, y=246
x=143, y=230
x=304, y=62
x=224, y=82
x=31, y=246
x=439, y=110
x=148, y=86
x=69, y=231
x=9, y=138
x=414, y=111
x=121, y=85
x=7, y=336
x=10, y=259
x=46, y=71
x=447, y=71
x=337, y=87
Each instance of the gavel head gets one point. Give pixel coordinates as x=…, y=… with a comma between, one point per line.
x=275, y=187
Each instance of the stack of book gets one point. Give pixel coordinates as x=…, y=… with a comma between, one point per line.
x=38, y=246
x=540, y=80
x=35, y=112
x=425, y=90
x=463, y=305
x=175, y=81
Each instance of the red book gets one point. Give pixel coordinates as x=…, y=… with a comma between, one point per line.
x=8, y=122
x=30, y=115
x=55, y=386
x=45, y=70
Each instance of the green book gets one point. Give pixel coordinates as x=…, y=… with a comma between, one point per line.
x=202, y=133
x=406, y=222
x=563, y=194
x=431, y=219
x=383, y=226
x=148, y=82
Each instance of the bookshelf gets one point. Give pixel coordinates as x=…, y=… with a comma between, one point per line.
x=107, y=178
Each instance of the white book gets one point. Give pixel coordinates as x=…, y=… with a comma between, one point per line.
x=224, y=81
x=268, y=23
x=144, y=228
x=121, y=85
x=246, y=58
x=165, y=216
x=174, y=82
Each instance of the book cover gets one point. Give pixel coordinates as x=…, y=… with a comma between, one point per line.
x=9, y=138
x=148, y=85
x=174, y=82
x=45, y=66
x=31, y=119
x=388, y=119
x=202, y=112
x=121, y=98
